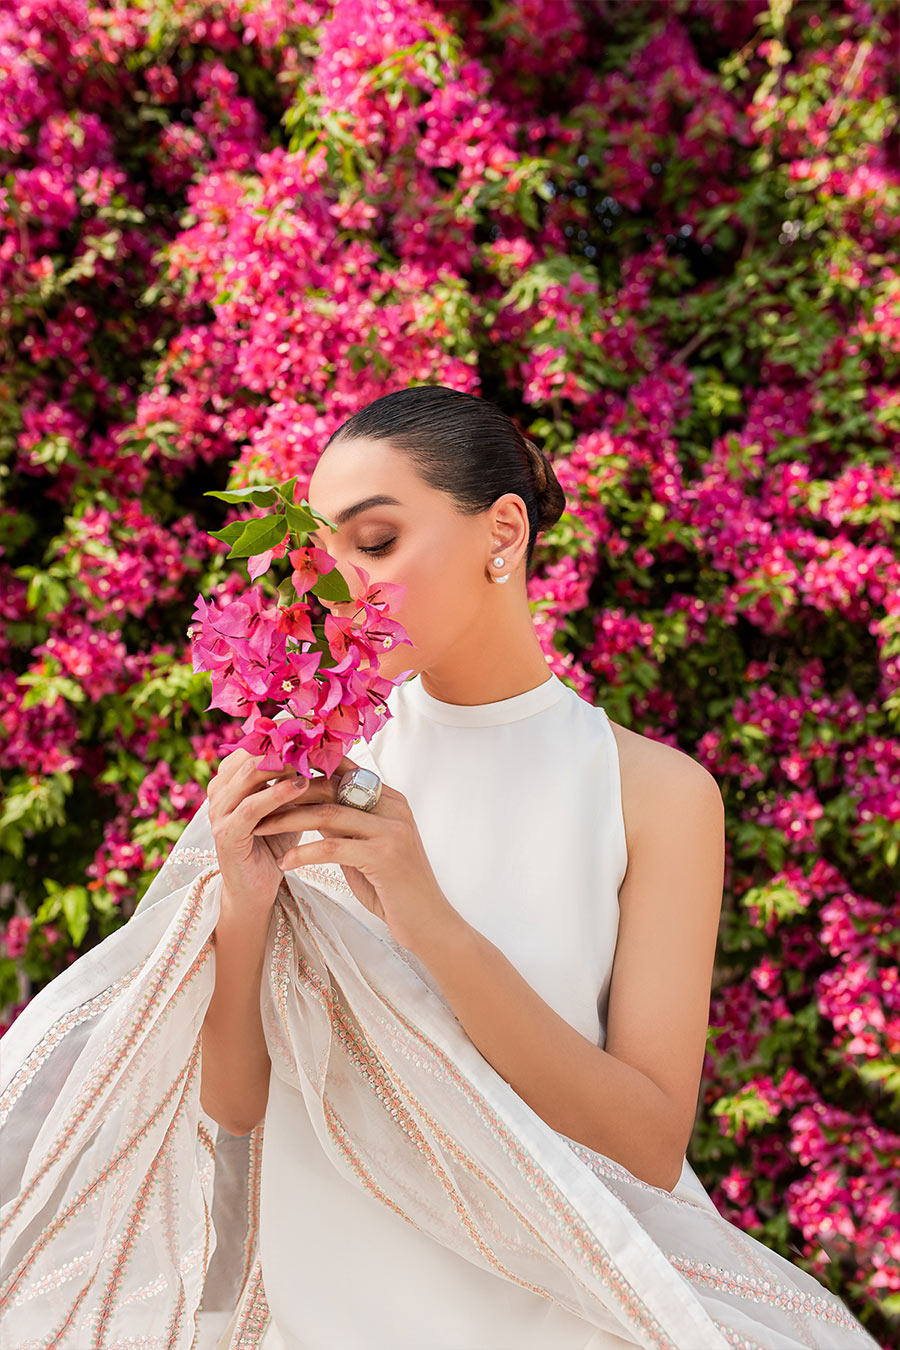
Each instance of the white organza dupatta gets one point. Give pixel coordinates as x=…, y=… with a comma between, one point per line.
x=130, y=1218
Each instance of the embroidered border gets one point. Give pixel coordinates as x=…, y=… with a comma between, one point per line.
x=59, y=1029
x=254, y=1174
x=254, y=1315
x=571, y=1223
x=737, y=1339
x=62, y=1218
x=759, y=1287
x=770, y=1291
x=104, y=1071
x=135, y=1219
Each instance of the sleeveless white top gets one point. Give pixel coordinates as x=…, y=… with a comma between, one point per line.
x=518, y=804
x=519, y=808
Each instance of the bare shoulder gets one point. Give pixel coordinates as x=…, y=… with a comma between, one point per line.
x=654, y=774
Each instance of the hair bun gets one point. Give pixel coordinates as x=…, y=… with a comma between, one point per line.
x=551, y=500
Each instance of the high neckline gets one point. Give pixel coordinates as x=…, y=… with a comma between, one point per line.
x=533, y=700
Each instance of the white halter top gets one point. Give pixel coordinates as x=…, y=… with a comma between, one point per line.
x=518, y=804
x=519, y=807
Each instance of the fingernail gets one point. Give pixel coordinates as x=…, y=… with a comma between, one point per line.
x=280, y=861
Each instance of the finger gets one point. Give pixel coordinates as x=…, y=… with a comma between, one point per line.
x=320, y=790
x=281, y=796
x=324, y=789
x=251, y=770
x=240, y=762
x=348, y=820
x=253, y=795
x=344, y=765
x=236, y=766
x=233, y=762
x=244, y=778
x=353, y=852
x=226, y=771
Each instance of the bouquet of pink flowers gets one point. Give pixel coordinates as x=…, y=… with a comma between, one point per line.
x=262, y=652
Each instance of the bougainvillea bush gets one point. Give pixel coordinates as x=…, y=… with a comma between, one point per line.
x=664, y=236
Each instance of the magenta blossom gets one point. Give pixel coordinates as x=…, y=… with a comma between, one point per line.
x=261, y=654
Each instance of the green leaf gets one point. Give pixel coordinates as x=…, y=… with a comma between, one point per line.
x=9, y=982
x=76, y=909
x=103, y=902
x=300, y=520
x=286, y=490
x=259, y=535
x=48, y=908
x=883, y=1071
x=286, y=593
x=13, y=842
x=260, y=496
x=35, y=805
x=231, y=532
x=48, y=689
x=332, y=586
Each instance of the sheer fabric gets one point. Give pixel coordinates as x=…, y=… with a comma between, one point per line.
x=129, y=1218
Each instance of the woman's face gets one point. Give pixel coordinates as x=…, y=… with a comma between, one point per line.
x=419, y=540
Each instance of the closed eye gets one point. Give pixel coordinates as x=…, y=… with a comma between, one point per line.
x=377, y=549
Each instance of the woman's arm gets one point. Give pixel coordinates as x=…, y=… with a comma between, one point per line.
x=634, y=1100
x=669, y=908
x=235, y=1062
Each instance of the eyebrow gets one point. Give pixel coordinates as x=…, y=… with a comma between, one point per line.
x=349, y=512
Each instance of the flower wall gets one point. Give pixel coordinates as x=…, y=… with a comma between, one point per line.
x=664, y=236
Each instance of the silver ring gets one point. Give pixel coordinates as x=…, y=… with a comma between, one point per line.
x=360, y=788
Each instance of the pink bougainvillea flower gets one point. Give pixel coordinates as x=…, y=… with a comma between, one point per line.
x=376, y=601
x=294, y=622
x=308, y=564
x=261, y=654
x=259, y=563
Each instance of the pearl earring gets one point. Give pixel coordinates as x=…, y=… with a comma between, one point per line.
x=498, y=562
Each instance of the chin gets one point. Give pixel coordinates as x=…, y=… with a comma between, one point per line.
x=392, y=667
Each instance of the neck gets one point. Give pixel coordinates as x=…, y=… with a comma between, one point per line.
x=496, y=659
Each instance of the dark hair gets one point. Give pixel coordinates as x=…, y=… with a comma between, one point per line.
x=465, y=446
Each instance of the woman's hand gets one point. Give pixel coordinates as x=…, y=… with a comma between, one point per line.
x=239, y=796
x=380, y=853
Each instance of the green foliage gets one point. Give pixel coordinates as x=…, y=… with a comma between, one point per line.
x=30, y=805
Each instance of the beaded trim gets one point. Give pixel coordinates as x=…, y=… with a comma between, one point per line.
x=114, y=1172
x=194, y=857
x=737, y=1339
x=55, y=1035
x=585, y=1240
x=254, y=1173
x=760, y=1287
x=254, y=1315
x=764, y=1291
x=329, y=874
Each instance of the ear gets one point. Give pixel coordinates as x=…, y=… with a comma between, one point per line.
x=509, y=525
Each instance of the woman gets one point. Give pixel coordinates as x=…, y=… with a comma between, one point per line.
x=451, y=1046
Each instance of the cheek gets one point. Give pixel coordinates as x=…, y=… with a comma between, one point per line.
x=445, y=591
x=441, y=588
x=442, y=600
x=441, y=567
